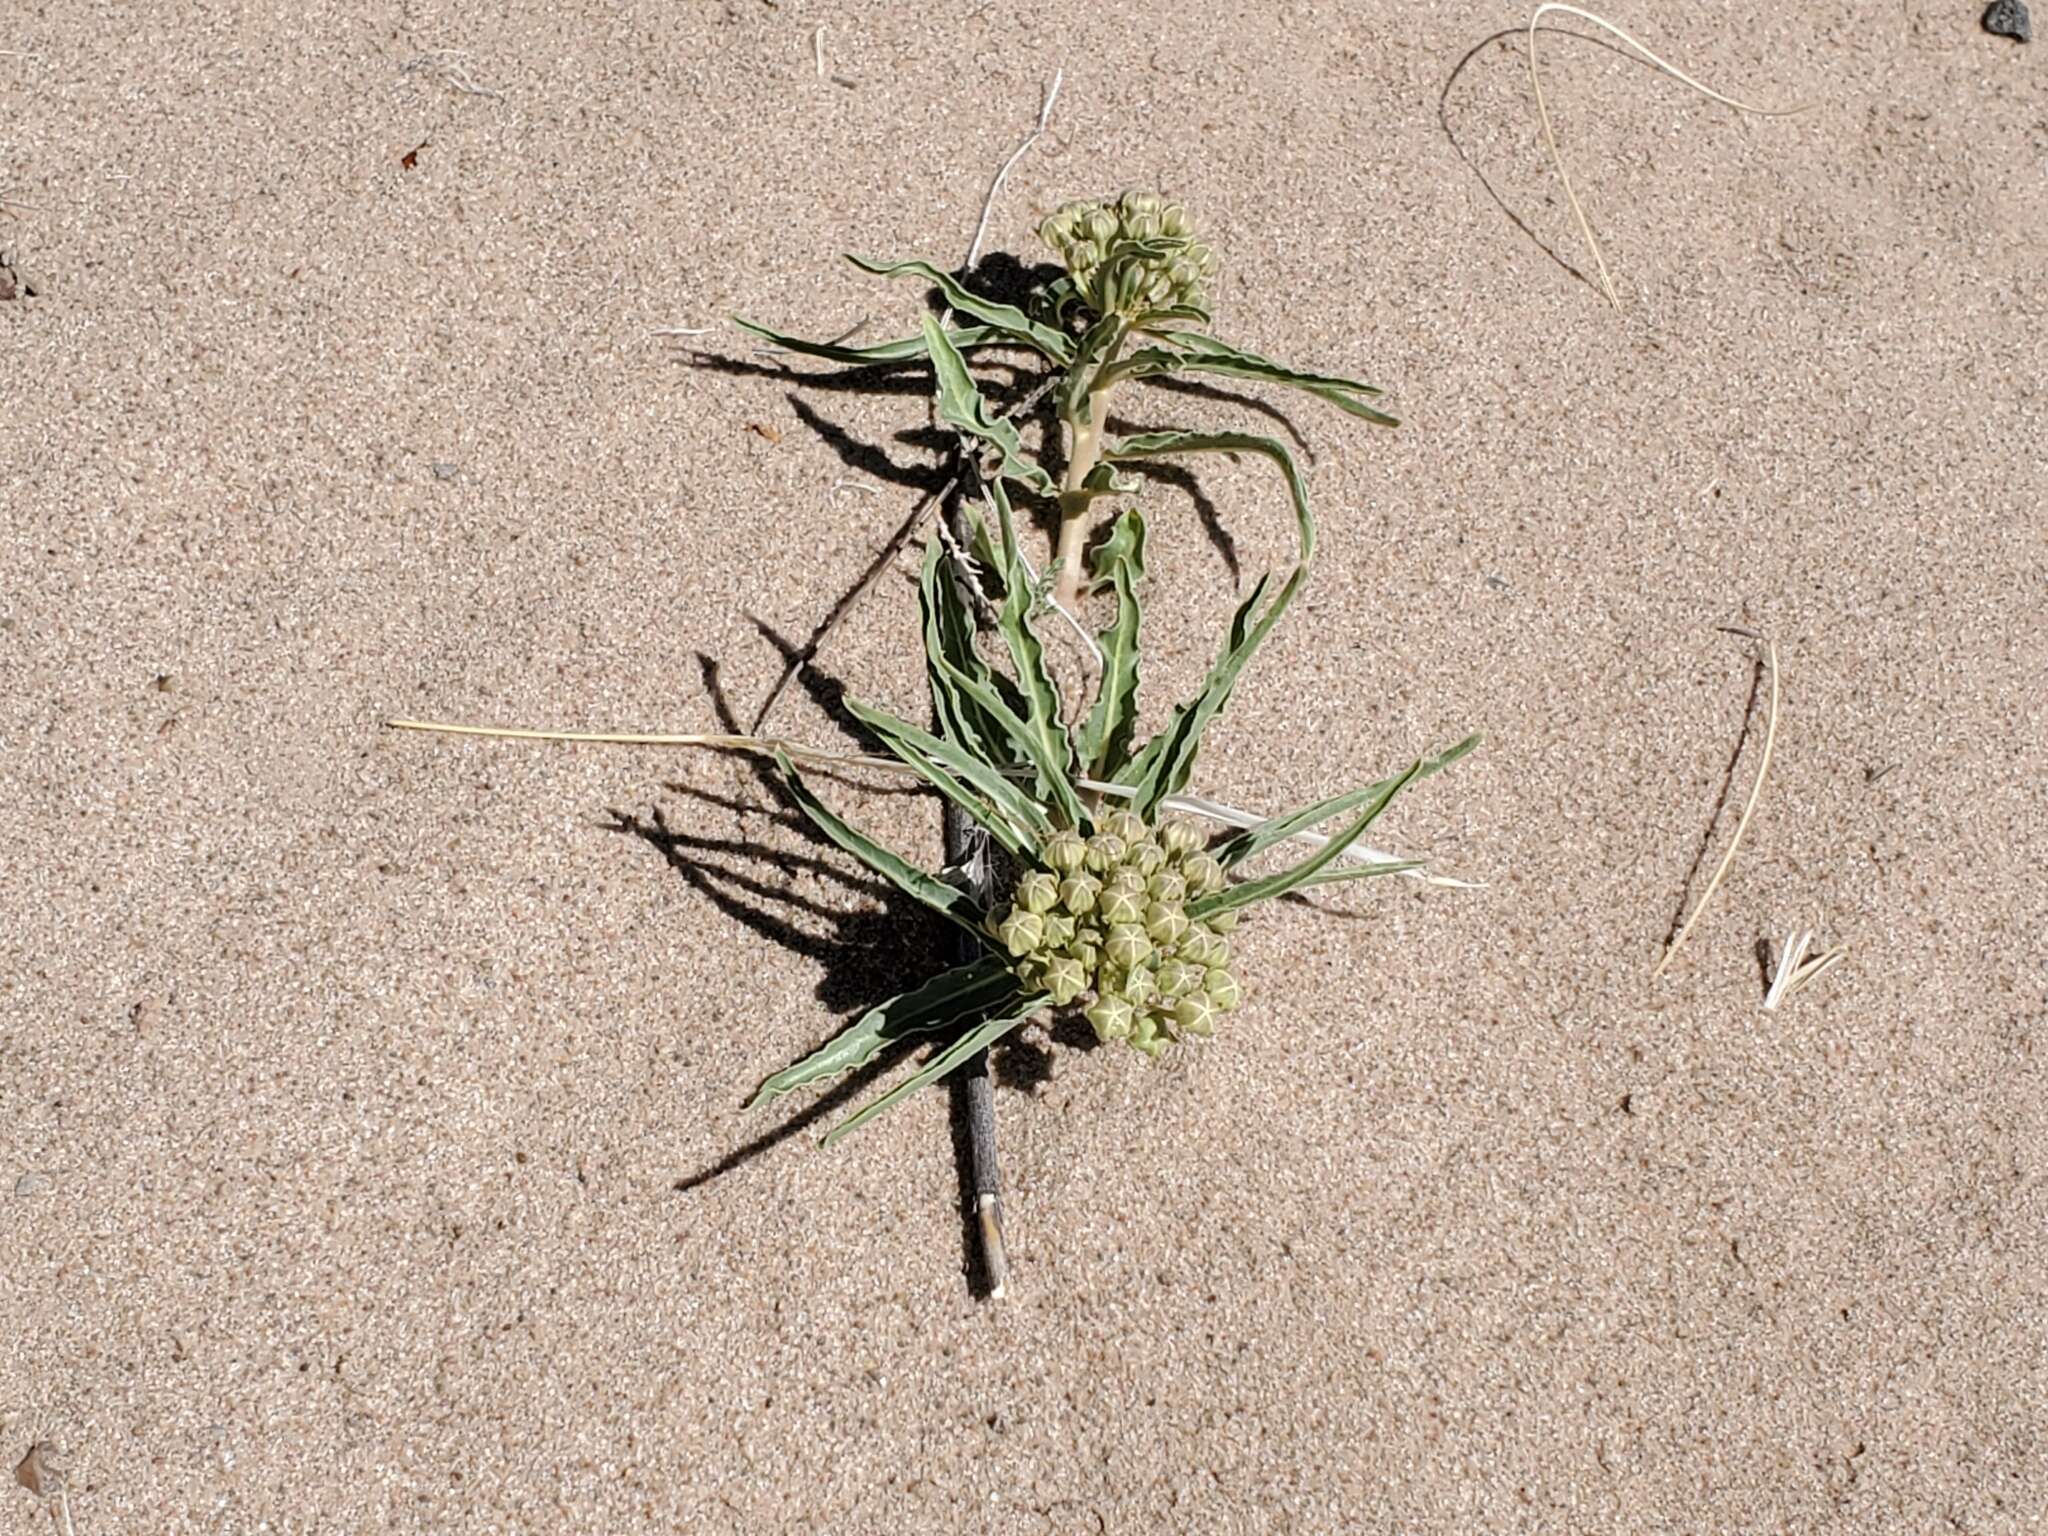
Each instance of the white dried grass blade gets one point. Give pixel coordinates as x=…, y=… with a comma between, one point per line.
x=1790, y=954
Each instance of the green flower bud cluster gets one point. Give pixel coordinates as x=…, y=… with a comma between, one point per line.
x=1103, y=922
x=1136, y=254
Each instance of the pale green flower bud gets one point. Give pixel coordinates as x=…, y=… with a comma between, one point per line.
x=1105, y=852
x=1175, y=977
x=1064, y=852
x=1173, y=220
x=1145, y=1034
x=1127, y=825
x=1059, y=931
x=1204, y=949
x=1148, y=858
x=1119, y=905
x=1078, y=894
x=1203, y=873
x=1141, y=202
x=1037, y=891
x=1220, y=922
x=1138, y=986
x=1021, y=932
x=1111, y=1018
x=1100, y=225
x=1166, y=923
x=1063, y=977
x=1221, y=988
x=1167, y=885
x=1125, y=878
x=1088, y=952
x=1179, y=838
x=1127, y=946
x=1196, y=1014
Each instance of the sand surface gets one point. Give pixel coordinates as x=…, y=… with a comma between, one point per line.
x=357, y=1090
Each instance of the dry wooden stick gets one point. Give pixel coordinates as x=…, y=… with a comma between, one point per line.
x=968, y=846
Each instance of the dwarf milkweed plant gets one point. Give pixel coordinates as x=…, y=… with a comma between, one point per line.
x=1111, y=905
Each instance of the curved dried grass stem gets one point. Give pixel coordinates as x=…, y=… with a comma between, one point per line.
x=1742, y=823
x=1550, y=134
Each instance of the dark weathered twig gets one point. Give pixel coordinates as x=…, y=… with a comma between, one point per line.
x=968, y=845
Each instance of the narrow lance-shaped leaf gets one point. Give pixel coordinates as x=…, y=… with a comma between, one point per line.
x=1163, y=766
x=936, y=1006
x=1007, y=318
x=1338, y=874
x=1249, y=844
x=1205, y=354
x=1047, y=746
x=1153, y=445
x=961, y=407
x=1105, y=744
x=945, y=1062
x=899, y=871
x=949, y=646
x=1245, y=893
x=904, y=350
x=977, y=787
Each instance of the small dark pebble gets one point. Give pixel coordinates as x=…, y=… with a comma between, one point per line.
x=2008, y=18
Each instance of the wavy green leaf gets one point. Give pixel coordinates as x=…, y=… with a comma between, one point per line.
x=1205, y=354
x=1153, y=445
x=1165, y=763
x=1007, y=318
x=1256, y=840
x=1247, y=892
x=935, y=893
x=945, y=1062
x=949, y=646
x=906, y=349
x=1040, y=730
x=1105, y=742
x=978, y=788
x=962, y=408
x=1163, y=766
x=1100, y=340
x=938, y=1005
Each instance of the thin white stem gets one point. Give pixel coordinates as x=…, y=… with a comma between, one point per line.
x=759, y=746
x=995, y=188
x=796, y=751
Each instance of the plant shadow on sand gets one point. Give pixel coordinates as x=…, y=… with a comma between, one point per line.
x=865, y=954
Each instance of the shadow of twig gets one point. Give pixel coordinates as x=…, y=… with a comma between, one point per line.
x=1756, y=683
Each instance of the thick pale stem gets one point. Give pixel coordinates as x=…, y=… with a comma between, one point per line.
x=1084, y=453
